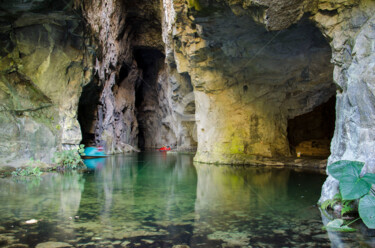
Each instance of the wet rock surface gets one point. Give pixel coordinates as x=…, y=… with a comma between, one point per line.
x=248, y=81
x=42, y=69
x=139, y=96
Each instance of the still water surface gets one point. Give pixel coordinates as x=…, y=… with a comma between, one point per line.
x=161, y=200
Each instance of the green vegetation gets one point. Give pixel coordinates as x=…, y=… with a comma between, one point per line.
x=353, y=187
x=69, y=159
x=35, y=163
x=28, y=171
x=347, y=205
x=194, y=4
x=338, y=225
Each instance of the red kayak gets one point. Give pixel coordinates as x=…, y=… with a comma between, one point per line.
x=164, y=148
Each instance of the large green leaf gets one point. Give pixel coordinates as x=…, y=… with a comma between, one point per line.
x=369, y=177
x=337, y=225
x=337, y=169
x=366, y=210
x=353, y=187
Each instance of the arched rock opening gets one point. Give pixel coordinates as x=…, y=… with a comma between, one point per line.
x=149, y=98
x=310, y=134
x=88, y=108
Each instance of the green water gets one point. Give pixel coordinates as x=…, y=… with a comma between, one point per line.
x=162, y=200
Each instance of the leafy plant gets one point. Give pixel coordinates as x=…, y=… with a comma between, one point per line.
x=338, y=225
x=34, y=163
x=28, y=171
x=353, y=186
x=346, y=205
x=70, y=159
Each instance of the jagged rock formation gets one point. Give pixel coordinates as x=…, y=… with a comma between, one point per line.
x=139, y=91
x=43, y=66
x=350, y=28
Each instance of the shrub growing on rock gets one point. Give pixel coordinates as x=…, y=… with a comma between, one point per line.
x=69, y=159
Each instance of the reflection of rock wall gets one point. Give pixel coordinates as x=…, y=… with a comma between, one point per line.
x=50, y=197
x=225, y=189
x=42, y=62
x=231, y=196
x=72, y=186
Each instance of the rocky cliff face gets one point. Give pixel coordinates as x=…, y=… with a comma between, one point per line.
x=350, y=28
x=248, y=81
x=44, y=63
x=139, y=92
x=112, y=52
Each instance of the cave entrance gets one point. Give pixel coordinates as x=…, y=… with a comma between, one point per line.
x=310, y=134
x=88, y=112
x=148, y=98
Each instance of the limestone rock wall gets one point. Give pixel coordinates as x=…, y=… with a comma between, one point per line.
x=350, y=28
x=43, y=64
x=247, y=81
x=140, y=92
x=116, y=126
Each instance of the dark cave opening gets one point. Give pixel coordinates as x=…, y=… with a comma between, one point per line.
x=147, y=97
x=88, y=112
x=310, y=134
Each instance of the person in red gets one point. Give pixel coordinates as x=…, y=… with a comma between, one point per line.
x=165, y=148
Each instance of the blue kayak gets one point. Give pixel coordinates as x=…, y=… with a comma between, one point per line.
x=94, y=152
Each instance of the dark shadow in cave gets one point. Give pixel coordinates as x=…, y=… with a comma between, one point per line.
x=150, y=61
x=311, y=133
x=88, y=111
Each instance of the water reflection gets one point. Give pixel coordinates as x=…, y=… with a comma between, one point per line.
x=239, y=204
x=139, y=193
x=224, y=188
x=161, y=200
x=71, y=188
x=53, y=195
x=95, y=163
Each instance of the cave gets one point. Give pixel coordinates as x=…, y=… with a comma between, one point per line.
x=147, y=96
x=310, y=134
x=88, y=112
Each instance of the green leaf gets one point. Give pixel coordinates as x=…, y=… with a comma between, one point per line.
x=326, y=204
x=337, y=169
x=337, y=225
x=337, y=197
x=366, y=210
x=352, y=186
x=369, y=177
x=346, y=209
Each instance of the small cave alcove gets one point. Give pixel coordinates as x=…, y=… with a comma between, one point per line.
x=88, y=112
x=310, y=134
x=147, y=99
